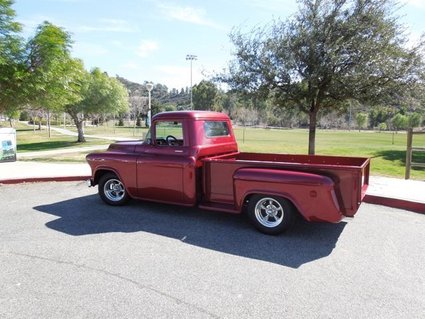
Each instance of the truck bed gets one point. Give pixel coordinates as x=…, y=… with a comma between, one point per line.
x=350, y=174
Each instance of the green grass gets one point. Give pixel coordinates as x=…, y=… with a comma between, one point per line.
x=39, y=141
x=121, y=131
x=30, y=140
x=387, y=150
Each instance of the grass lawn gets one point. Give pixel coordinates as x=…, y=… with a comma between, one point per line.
x=387, y=150
x=30, y=140
x=122, y=131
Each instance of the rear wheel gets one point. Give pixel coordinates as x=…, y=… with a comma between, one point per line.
x=271, y=215
x=112, y=190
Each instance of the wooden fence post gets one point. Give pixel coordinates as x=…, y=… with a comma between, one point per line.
x=408, y=153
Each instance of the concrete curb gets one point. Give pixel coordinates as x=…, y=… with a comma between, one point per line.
x=412, y=206
x=44, y=179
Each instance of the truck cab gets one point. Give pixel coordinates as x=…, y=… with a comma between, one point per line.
x=170, y=158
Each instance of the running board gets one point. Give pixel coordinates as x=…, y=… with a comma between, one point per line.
x=227, y=208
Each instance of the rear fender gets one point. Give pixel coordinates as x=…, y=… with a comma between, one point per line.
x=313, y=195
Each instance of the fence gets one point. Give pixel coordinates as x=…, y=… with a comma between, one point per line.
x=409, y=152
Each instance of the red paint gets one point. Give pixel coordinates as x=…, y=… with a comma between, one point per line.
x=204, y=167
x=413, y=206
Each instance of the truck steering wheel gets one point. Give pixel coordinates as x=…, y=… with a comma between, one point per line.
x=171, y=140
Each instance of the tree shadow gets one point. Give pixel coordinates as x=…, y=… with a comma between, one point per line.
x=391, y=155
x=230, y=234
x=49, y=145
x=400, y=156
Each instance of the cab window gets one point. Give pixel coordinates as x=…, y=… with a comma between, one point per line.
x=168, y=133
x=216, y=128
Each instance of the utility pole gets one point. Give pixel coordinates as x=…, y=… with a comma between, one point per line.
x=191, y=58
x=149, y=87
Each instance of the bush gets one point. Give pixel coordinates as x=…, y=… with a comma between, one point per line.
x=24, y=116
x=382, y=127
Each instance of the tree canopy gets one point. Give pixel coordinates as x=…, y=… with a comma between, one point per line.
x=12, y=68
x=204, y=94
x=55, y=77
x=329, y=52
x=100, y=94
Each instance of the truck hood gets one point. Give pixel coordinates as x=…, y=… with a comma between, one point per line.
x=123, y=147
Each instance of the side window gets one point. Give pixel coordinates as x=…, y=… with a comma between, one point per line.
x=216, y=128
x=169, y=133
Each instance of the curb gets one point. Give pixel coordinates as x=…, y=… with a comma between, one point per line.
x=416, y=207
x=45, y=179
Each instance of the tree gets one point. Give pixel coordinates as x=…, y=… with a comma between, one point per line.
x=12, y=67
x=55, y=78
x=361, y=119
x=204, y=94
x=414, y=120
x=100, y=94
x=400, y=122
x=329, y=52
x=138, y=105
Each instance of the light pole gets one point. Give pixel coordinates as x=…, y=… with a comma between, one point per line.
x=191, y=57
x=149, y=87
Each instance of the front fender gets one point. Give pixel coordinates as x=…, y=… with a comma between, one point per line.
x=313, y=195
x=122, y=165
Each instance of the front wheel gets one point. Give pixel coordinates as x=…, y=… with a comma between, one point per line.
x=271, y=215
x=112, y=190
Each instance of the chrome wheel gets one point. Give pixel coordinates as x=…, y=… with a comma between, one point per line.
x=269, y=212
x=114, y=190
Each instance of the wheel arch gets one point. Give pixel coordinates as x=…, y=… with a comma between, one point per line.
x=101, y=172
x=248, y=196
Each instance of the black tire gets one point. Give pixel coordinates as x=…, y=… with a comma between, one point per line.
x=112, y=190
x=271, y=215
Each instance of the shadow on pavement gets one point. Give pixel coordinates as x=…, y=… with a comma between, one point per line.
x=230, y=234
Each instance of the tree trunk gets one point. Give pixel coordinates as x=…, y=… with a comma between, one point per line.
x=312, y=132
x=79, y=124
x=48, y=123
x=81, y=138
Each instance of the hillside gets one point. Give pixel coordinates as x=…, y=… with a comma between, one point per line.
x=161, y=95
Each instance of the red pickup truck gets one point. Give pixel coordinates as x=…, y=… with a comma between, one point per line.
x=191, y=158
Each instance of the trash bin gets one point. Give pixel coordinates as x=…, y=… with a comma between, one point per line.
x=7, y=145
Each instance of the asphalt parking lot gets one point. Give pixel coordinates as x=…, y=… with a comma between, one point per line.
x=63, y=253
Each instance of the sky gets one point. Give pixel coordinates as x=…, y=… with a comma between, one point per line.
x=148, y=40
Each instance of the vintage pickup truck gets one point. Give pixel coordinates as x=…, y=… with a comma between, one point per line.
x=191, y=158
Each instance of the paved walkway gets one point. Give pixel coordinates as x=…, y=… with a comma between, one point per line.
x=398, y=193
x=392, y=192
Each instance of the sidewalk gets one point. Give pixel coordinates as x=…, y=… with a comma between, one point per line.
x=392, y=192
x=397, y=193
x=20, y=172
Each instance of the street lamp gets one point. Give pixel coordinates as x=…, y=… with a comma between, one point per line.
x=149, y=87
x=191, y=57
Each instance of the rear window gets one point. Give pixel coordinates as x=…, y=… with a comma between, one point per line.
x=216, y=128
